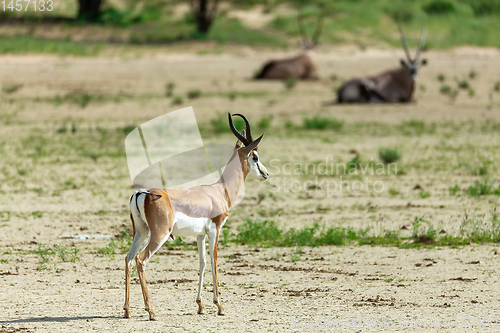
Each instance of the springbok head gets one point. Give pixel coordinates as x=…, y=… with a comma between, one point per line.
x=413, y=64
x=247, y=149
x=307, y=43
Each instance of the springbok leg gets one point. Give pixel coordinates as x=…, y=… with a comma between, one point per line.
x=213, y=238
x=202, y=253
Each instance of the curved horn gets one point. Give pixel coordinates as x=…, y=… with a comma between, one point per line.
x=302, y=32
x=319, y=28
x=247, y=124
x=235, y=131
x=403, y=41
x=421, y=44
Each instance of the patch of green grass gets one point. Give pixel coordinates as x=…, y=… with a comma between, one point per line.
x=290, y=82
x=21, y=44
x=483, y=186
x=318, y=122
x=463, y=84
x=389, y=155
x=177, y=100
x=445, y=89
x=441, y=77
x=424, y=194
x=393, y=192
x=47, y=254
x=11, y=88
x=423, y=231
x=477, y=228
x=454, y=190
x=496, y=86
x=169, y=89
x=37, y=214
x=193, y=94
x=4, y=216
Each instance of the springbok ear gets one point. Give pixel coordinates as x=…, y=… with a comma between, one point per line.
x=253, y=145
x=238, y=142
x=403, y=63
x=423, y=62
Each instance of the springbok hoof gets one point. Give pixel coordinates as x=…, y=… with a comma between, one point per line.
x=201, y=307
x=222, y=311
x=127, y=313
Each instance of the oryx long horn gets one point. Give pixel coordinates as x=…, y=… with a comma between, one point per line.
x=235, y=131
x=302, y=32
x=403, y=41
x=319, y=29
x=421, y=44
x=247, y=124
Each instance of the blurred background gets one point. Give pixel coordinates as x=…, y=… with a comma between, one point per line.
x=86, y=27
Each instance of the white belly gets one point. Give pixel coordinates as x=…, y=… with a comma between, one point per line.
x=191, y=226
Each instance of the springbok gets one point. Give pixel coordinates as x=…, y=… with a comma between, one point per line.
x=392, y=86
x=200, y=211
x=301, y=66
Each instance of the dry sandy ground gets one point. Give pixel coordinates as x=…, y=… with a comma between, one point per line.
x=263, y=290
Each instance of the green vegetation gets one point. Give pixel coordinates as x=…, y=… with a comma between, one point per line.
x=48, y=255
x=193, y=93
x=11, y=88
x=389, y=155
x=266, y=233
x=21, y=44
x=318, y=122
x=362, y=22
x=290, y=82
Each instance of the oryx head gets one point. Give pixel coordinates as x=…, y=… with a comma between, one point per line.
x=413, y=64
x=306, y=43
x=247, y=150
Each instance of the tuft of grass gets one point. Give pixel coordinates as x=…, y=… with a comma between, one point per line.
x=445, y=89
x=424, y=194
x=483, y=186
x=496, y=86
x=47, y=254
x=193, y=94
x=265, y=123
x=477, y=229
x=290, y=82
x=169, y=89
x=473, y=74
x=322, y=123
x=177, y=100
x=393, y=192
x=423, y=231
x=441, y=77
x=11, y=88
x=389, y=155
x=463, y=84
x=454, y=190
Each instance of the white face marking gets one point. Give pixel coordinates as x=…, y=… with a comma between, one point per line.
x=257, y=169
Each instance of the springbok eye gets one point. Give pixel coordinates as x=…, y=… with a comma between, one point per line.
x=255, y=158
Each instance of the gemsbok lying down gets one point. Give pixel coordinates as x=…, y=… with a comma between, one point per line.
x=200, y=211
x=392, y=86
x=301, y=66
